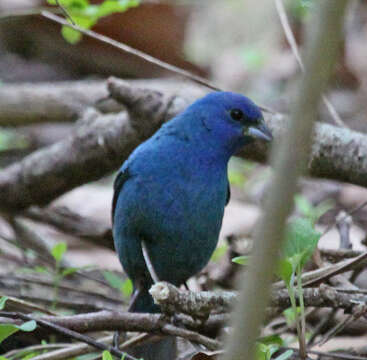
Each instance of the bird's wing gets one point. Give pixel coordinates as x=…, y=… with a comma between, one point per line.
x=228, y=194
x=120, y=180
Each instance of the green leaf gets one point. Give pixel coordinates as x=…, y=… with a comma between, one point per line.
x=7, y=330
x=290, y=315
x=40, y=269
x=271, y=340
x=31, y=355
x=28, y=326
x=69, y=271
x=254, y=58
x=58, y=251
x=3, y=358
x=265, y=351
x=242, y=260
x=71, y=5
x=287, y=354
x=300, y=242
x=219, y=253
x=70, y=35
x=285, y=270
x=127, y=288
x=3, y=300
x=310, y=211
x=106, y=355
x=236, y=177
x=303, y=205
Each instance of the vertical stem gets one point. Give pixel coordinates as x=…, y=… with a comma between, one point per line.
x=289, y=160
x=302, y=335
x=294, y=307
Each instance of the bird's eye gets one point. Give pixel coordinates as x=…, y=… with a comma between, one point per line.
x=236, y=114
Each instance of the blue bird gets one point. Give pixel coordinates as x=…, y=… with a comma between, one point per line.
x=170, y=194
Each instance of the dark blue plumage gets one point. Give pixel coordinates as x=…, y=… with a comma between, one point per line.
x=172, y=190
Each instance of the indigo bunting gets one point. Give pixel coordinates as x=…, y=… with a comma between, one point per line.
x=170, y=194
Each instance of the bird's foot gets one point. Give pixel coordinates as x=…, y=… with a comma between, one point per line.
x=118, y=337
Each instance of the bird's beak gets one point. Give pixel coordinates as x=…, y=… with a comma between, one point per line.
x=260, y=131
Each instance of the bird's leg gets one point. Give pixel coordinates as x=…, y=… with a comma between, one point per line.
x=148, y=262
x=117, y=335
x=133, y=299
x=117, y=339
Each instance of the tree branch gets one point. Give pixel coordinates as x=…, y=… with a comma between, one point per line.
x=205, y=303
x=23, y=104
x=102, y=142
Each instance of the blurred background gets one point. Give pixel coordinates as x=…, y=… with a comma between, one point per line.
x=239, y=46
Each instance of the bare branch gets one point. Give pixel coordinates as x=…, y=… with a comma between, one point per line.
x=22, y=104
x=103, y=142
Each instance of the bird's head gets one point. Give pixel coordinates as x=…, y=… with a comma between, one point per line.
x=231, y=119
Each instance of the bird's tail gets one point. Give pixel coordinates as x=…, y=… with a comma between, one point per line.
x=152, y=349
x=156, y=349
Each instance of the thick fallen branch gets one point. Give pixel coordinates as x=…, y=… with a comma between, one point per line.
x=55, y=328
x=103, y=142
x=110, y=321
x=202, y=304
x=26, y=103
x=22, y=104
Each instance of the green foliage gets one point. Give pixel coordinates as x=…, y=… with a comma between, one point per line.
x=59, y=273
x=7, y=330
x=219, y=253
x=299, y=9
x=313, y=213
x=300, y=242
x=291, y=315
x=253, y=57
x=267, y=346
x=85, y=15
x=286, y=355
x=106, y=355
x=242, y=260
x=3, y=300
x=58, y=251
x=124, y=286
x=10, y=140
x=239, y=171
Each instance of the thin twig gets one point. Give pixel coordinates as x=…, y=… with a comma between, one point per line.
x=335, y=355
x=294, y=47
x=358, y=311
x=343, y=224
x=19, y=353
x=69, y=334
x=65, y=12
x=25, y=306
x=130, y=50
x=26, y=12
x=72, y=351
